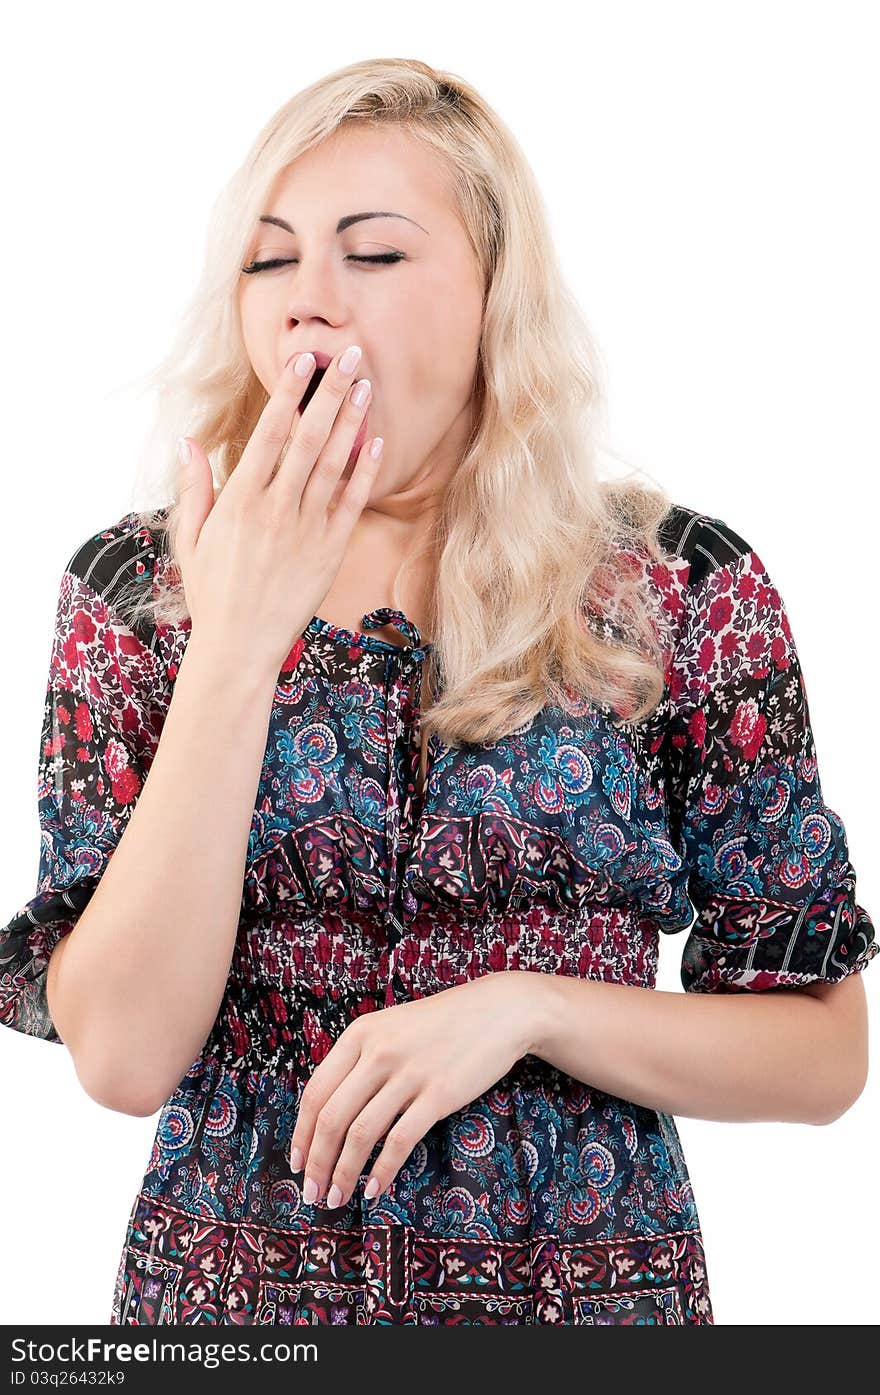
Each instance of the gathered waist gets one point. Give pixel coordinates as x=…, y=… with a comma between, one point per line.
x=296, y=982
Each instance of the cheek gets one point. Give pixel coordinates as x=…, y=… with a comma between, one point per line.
x=445, y=351
x=250, y=336
x=255, y=311
x=450, y=379
x=260, y=347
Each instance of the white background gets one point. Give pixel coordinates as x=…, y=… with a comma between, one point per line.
x=710, y=172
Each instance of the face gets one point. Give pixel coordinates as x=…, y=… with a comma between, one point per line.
x=417, y=318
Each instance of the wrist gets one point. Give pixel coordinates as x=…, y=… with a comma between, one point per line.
x=540, y=1008
x=215, y=664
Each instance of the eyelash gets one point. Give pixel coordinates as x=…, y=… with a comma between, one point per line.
x=386, y=258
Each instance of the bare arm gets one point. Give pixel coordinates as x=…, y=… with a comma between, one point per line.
x=791, y=1055
x=135, y=987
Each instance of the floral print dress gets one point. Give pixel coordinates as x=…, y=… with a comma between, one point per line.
x=566, y=848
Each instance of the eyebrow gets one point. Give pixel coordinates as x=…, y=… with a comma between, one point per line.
x=345, y=222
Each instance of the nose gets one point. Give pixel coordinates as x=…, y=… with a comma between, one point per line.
x=314, y=298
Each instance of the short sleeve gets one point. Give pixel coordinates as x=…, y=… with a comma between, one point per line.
x=769, y=874
x=100, y=726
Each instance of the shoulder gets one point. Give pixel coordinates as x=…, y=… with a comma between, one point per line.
x=705, y=543
x=118, y=564
x=731, y=614
x=123, y=551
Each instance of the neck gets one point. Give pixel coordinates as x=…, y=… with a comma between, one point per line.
x=408, y=512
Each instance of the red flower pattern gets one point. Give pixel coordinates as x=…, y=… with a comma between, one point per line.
x=710, y=808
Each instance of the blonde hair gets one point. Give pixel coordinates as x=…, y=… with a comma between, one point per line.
x=529, y=539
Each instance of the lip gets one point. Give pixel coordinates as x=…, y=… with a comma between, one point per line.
x=322, y=360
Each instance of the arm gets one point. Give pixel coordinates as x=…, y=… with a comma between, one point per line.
x=792, y=1055
x=769, y=1026
x=773, y=1023
x=136, y=985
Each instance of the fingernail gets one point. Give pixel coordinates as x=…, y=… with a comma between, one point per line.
x=334, y=1196
x=310, y=1190
x=371, y=1188
x=304, y=365
x=296, y=1160
x=184, y=450
x=350, y=359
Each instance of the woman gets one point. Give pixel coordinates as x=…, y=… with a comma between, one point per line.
x=368, y=783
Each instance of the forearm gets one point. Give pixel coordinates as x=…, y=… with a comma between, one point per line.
x=776, y=1055
x=135, y=987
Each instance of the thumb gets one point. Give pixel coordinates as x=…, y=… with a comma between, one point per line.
x=195, y=491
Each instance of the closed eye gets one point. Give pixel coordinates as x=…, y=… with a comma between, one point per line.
x=386, y=259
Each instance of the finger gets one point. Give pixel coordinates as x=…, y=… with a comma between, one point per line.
x=274, y=425
x=350, y=498
x=195, y=493
x=333, y=1122
x=333, y=460
x=311, y=430
x=325, y=1078
x=402, y=1137
x=364, y=1132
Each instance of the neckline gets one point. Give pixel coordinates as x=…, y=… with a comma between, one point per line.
x=374, y=619
x=359, y=639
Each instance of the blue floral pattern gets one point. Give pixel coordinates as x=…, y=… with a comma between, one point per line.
x=568, y=847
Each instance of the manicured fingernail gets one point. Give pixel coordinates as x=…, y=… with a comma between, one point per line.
x=350, y=359
x=334, y=1196
x=304, y=365
x=371, y=1188
x=296, y=1160
x=310, y=1190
